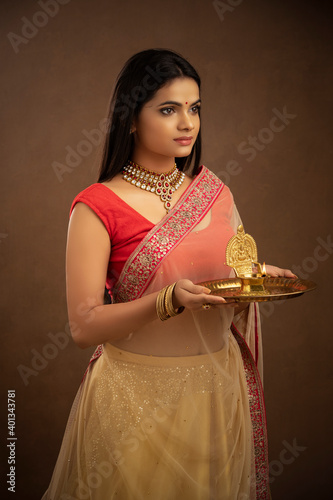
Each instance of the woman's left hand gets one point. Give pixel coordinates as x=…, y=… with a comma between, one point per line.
x=276, y=272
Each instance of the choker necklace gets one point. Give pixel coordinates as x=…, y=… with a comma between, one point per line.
x=163, y=184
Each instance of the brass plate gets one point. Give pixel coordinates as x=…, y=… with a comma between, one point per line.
x=275, y=289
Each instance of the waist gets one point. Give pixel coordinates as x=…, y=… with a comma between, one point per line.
x=207, y=358
x=189, y=334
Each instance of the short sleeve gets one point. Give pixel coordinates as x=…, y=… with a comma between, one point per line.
x=93, y=197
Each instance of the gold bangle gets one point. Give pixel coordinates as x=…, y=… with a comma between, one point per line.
x=164, y=305
x=168, y=301
x=160, y=309
x=180, y=309
x=169, y=304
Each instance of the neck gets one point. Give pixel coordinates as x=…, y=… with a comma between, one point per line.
x=156, y=163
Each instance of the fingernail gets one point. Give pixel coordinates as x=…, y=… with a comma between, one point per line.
x=208, y=290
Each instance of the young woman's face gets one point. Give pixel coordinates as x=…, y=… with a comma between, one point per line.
x=169, y=123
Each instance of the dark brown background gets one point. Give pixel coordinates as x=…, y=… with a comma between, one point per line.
x=262, y=55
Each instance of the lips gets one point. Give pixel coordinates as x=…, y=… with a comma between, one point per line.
x=184, y=141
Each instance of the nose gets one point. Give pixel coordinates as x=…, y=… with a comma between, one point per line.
x=186, y=122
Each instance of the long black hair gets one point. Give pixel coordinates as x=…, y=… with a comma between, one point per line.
x=142, y=76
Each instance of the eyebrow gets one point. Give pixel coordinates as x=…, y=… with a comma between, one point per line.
x=175, y=103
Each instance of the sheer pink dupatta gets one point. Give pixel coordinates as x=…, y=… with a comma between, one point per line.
x=176, y=248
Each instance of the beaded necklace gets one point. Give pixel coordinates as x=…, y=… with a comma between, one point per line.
x=163, y=185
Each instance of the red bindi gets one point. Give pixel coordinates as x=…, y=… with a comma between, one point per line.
x=186, y=102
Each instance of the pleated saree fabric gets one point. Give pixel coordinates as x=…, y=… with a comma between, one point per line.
x=175, y=411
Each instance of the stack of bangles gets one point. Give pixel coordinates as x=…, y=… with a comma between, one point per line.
x=164, y=305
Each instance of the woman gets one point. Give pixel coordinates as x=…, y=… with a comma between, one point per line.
x=171, y=404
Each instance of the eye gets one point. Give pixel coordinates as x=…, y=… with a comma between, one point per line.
x=167, y=111
x=195, y=109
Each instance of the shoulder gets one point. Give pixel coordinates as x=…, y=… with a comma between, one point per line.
x=94, y=197
x=93, y=192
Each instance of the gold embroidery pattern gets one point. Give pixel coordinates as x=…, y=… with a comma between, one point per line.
x=149, y=254
x=258, y=418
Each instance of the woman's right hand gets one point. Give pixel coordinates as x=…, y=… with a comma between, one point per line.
x=192, y=296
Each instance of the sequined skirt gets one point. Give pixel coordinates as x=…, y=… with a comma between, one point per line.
x=164, y=428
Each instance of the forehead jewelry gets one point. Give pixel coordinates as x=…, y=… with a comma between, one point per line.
x=163, y=185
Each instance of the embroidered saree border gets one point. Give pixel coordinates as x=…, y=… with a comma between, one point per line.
x=256, y=333
x=258, y=417
x=166, y=235
x=97, y=353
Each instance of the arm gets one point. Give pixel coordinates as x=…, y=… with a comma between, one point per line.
x=87, y=258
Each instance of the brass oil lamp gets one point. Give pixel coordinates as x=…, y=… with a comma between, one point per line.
x=242, y=256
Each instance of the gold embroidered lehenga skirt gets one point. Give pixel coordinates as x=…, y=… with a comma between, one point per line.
x=159, y=427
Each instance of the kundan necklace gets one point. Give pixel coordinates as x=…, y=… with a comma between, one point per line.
x=161, y=184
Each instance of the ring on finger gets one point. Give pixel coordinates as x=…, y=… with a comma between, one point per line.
x=206, y=306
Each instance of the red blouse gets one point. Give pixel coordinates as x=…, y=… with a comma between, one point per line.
x=125, y=226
